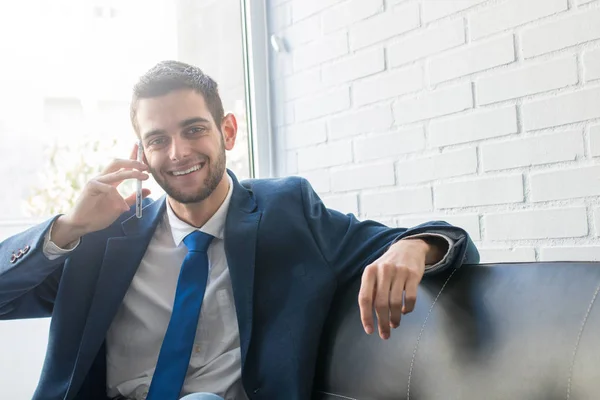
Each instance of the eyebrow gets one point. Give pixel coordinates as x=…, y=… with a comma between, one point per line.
x=182, y=124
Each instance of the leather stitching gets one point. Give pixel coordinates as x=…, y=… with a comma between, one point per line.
x=583, y=323
x=339, y=396
x=412, y=362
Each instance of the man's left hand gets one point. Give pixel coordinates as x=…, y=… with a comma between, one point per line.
x=390, y=285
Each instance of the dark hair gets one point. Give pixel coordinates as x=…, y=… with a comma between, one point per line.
x=167, y=76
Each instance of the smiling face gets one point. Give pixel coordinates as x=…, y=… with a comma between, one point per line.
x=183, y=145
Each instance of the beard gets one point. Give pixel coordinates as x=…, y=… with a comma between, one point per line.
x=216, y=169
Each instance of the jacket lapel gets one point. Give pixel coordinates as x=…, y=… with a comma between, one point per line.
x=121, y=259
x=241, y=228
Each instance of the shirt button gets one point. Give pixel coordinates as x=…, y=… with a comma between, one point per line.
x=197, y=348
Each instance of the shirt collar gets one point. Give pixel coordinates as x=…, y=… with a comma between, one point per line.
x=215, y=226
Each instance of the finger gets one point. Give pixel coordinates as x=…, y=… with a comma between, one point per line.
x=119, y=163
x=396, y=295
x=365, y=298
x=134, y=150
x=130, y=200
x=410, y=294
x=382, y=299
x=97, y=187
x=115, y=178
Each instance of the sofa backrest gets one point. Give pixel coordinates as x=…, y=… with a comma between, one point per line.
x=504, y=331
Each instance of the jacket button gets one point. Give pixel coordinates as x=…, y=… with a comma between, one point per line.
x=255, y=391
x=13, y=258
x=26, y=249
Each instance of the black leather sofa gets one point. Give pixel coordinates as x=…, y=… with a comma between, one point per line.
x=504, y=331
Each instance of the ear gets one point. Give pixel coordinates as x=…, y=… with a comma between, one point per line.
x=229, y=129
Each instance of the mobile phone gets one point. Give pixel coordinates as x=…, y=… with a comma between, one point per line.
x=138, y=192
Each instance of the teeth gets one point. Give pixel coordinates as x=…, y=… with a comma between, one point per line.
x=187, y=171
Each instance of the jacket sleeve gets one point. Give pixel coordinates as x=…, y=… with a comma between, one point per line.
x=28, y=279
x=349, y=245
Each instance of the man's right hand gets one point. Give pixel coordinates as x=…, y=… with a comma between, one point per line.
x=100, y=203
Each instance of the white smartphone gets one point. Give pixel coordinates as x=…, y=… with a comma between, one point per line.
x=138, y=192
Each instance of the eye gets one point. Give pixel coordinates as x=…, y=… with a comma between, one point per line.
x=196, y=130
x=156, y=141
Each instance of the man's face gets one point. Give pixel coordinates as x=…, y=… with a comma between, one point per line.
x=183, y=145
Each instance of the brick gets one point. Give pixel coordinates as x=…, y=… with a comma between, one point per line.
x=384, y=26
x=434, y=104
x=387, y=85
x=307, y=134
x=473, y=58
x=473, y=126
x=319, y=179
x=396, y=202
x=480, y=192
x=324, y=104
x=302, y=32
x=301, y=84
x=317, y=52
x=595, y=140
x=425, y=43
x=597, y=220
x=359, y=65
x=363, y=177
x=359, y=121
x=526, y=81
x=582, y=2
x=349, y=13
x=436, y=9
x=591, y=65
x=323, y=156
x=440, y=166
x=515, y=254
x=510, y=14
x=389, y=145
x=563, y=109
x=556, y=147
x=569, y=31
x=346, y=203
x=469, y=223
x=565, y=184
x=306, y=8
x=537, y=224
x=573, y=253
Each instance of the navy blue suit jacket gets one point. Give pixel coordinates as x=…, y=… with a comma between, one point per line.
x=288, y=256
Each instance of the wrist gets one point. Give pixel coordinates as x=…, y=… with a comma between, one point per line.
x=432, y=248
x=415, y=245
x=65, y=231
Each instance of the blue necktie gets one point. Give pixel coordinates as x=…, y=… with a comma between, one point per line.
x=176, y=349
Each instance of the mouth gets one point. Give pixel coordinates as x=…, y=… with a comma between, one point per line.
x=189, y=170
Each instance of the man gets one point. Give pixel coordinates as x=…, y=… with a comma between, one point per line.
x=221, y=287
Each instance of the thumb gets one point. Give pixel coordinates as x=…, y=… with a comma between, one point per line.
x=130, y=200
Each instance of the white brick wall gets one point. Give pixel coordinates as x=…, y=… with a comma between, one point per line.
x=483, y=113
x=538, y=78
x=591, y=62
x=472, y=58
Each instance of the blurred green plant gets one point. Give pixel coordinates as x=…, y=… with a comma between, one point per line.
x=70, y=165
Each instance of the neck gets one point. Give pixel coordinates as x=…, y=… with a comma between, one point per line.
x=197, y=214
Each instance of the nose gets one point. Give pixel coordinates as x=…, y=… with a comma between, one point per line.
x=179, y=149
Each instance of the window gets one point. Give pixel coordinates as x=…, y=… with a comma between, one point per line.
x=65, y=110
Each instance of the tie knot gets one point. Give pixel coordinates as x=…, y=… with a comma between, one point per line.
x=198, y=241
